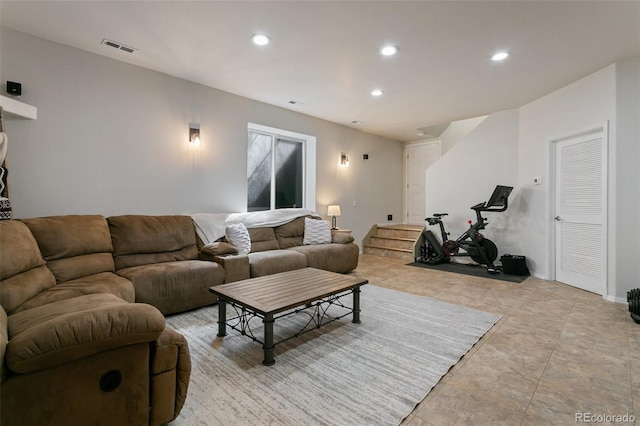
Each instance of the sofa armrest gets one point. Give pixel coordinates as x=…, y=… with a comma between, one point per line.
x=341, y=238
x=236, y=267
x=64, y=331
x=170, y=373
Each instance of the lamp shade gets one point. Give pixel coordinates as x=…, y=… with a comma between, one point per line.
x=333, y=210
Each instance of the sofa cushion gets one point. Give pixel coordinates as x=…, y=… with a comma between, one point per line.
x=340, y=258
x=175, y=286
x=81, y=266
x=140, y=240
x=23, y=272
x=291, y=234
x=263, y=239
x=274, y=261
x=105, y=282
x=20, y=252
x=62, y=239
x=70, y=329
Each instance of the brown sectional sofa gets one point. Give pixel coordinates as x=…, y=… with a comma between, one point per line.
x=82, y=332
x=280, y=248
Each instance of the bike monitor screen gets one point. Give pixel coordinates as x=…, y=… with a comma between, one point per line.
x=499, y=196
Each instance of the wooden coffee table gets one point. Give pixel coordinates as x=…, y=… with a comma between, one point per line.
x=286, y=293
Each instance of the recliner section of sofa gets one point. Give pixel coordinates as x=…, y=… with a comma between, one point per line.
x=159, y=255
x=74, y=349
x=77, y=250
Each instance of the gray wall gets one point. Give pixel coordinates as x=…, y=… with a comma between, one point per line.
x=111, y=138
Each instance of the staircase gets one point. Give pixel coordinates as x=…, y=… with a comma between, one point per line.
x=397, y=241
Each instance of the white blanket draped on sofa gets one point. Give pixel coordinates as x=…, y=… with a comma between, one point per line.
x=211, y=226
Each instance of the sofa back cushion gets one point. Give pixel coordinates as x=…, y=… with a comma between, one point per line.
x=142, y=240
x=291, y=234
x=263, y=239
x=23, y=273
x=73, y=246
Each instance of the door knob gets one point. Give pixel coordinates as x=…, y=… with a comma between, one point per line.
x=558, y=218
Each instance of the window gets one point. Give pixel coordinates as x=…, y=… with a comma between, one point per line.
x=280, y=169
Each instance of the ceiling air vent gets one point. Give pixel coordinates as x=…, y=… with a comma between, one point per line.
x=117, y=45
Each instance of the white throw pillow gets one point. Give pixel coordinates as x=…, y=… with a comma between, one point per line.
x=316, y=231
x=238, y=236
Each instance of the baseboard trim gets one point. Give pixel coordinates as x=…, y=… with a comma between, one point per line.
x=615, y=299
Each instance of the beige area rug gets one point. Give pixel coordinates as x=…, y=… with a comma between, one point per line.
x=373, y=373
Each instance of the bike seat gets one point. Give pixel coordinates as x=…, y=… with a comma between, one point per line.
x=440, y=214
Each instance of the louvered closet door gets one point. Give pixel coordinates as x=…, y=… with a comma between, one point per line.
x=580, y=217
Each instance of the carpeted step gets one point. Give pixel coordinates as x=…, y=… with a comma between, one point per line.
x=393, y=242
x=399, y=231
x=395, y=253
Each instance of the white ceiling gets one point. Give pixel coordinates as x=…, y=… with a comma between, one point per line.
x=325, y=53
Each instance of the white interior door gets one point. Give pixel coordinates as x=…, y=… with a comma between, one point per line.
x=580, y=211
x=420, y=157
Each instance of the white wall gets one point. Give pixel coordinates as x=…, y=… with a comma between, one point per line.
x=627, y=171
x=468, y=174
x=458, y=130
x=111, y=138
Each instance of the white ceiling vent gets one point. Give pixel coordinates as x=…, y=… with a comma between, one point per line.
x=117, y=45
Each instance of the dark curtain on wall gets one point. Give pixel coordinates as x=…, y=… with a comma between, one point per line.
x=5, y=204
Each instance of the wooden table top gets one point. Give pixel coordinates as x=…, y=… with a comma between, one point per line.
x=286, y=290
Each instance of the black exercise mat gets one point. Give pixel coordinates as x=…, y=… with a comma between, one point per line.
x=470, y=269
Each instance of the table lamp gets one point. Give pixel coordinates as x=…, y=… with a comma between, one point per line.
x=333, y=211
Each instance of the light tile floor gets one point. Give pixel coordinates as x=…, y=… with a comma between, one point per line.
x=556, y=352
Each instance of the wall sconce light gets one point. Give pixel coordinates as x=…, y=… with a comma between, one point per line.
x=333, y=211
x=194, y=133
x=344, y=160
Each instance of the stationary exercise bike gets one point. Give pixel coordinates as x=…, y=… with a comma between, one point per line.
x=480, y=249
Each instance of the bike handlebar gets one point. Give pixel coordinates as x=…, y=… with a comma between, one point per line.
x=482, y=207
x=498, y=202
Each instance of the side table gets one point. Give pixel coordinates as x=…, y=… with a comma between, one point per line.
x=342, y=231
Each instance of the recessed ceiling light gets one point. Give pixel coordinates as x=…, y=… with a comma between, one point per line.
x=260, y=39
x=389, y=50
x=500, y=56
x=376, y=92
